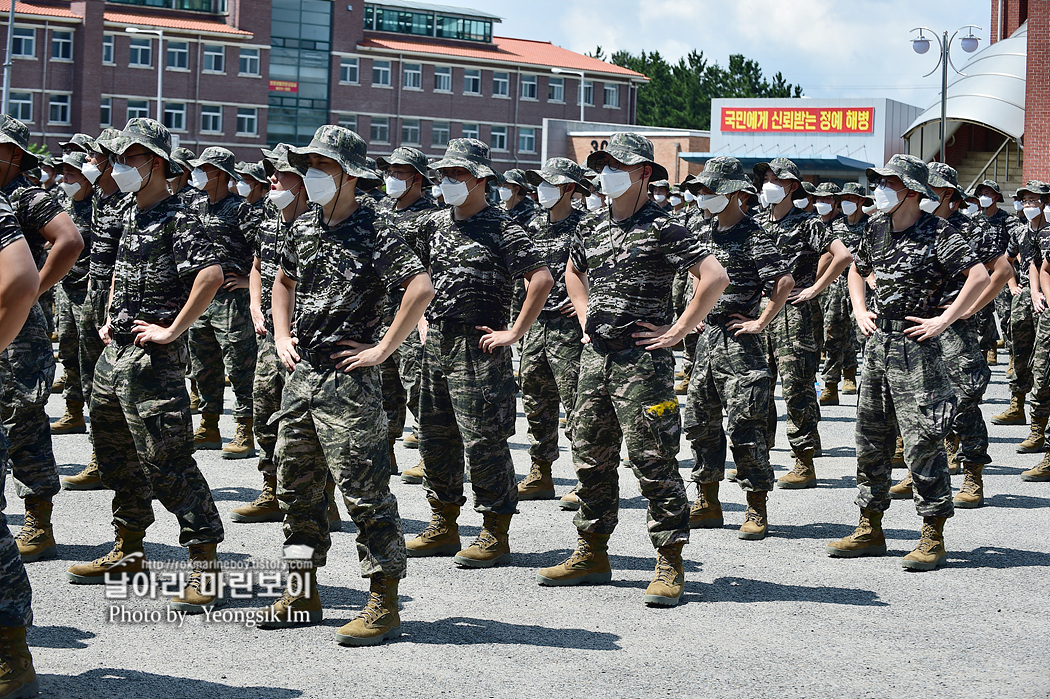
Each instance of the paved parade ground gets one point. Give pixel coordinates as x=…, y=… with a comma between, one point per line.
x=772, y=618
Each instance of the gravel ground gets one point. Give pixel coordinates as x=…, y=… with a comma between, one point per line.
x=775, y=618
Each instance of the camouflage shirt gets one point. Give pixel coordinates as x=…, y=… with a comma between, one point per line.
x=10, y=231
x=802, y=238
x=692, y=217
x=253, y=215
x=751, y=260
x=553, y=241
x=80, y=212
x=911, y=267
x=1003, y=225
x=403, y=223
x=983, y=240
x=34, y=208
x=342, y=275
x=523, y=212
x=473, y=264
x=158, y=257
x=193, y=199
x=1023, y=249
x=222, y=220
x=108, y=215
x=269, y=243
x=631, y=265
x=849, y=233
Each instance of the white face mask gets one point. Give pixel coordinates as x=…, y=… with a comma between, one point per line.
x=1032, y=212
x=715, y=203
x=548, y=195
x=281, y=198
x=762, y=201
x=800, y=203
x=929, y=205
x=456, y=192
x=615, y=183
x=1018, y=205
x=885, y=198
x=690, y=197
x=823, y=208
x=243, y=188
x=70, y=188
x=127, y=178
x=395, y=187
x=171, y=183
x=985, y=201
x=435, y=191
x=972, y=210
x=868, y=209
x=505, y=194
x=320, y=186
x=849, y=208
x=775, y=193
x=90, y=172
x=1046, y=212
x=198, y=178
x=659, y=198
x=44, y=176
x=675, y=201
x=594, y=202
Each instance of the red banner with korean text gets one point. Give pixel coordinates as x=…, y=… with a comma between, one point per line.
x=798, y=119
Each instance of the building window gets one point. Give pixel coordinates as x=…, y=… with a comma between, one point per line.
x=214, y=58
x=380, y=131
x=141, y=53
x=178, y=55
x=612, y=96
x=62, y=46
x=105, y=112
x=138, y=109
x=23, y=43
x=107, y=49
x=413, y=79
x=528, y=87
x=463, y=28
x=471, y=131
x=410, y=131
x=247, y=121
x=556, y=90
x=402, y=21
x=381, y=73
x=349, y=70
x=249, y=62
x=211, y=118
x=499, y=138
x=442, y=79
x=501, y=84
x=21, y=106
x=348, y=121
x=58, y=109
x=471, y=82
x=440, y=134
x=588, y=93
x=175, y=116
x=526, y=139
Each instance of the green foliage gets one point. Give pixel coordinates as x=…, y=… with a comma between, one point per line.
x=39, y=149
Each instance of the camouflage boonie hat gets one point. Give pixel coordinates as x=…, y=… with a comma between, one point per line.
x=256, y=171
x=468, y=153
x=559, y=171
x=782, y=169
x=81, y=142
x=990, y=184
x=942, y=175
x=723, y=175
x=183, y=156
x=220, y=158
x=76, y=159
x=516, y=176
x=827, y=189
x=911, y=170
x=271, y=157
x=1040, y=189
x=47, y=160
x=629, y=149
x=809, y=188
x=854, y=189
x=412, y=157
x=659, y=183
x=344, y=147
x=148, y=133
x=16, y=133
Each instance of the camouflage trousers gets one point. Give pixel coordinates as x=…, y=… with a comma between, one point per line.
x=467, y=410
x=1040, y=402
x=839, y=332
x=70, y=311
x=549, y=371
x=1003, y=307
x=16, y=596
x=222, y=343
x=143, y=435
x=401, y=385
x=904, y=383
x=92, y=318
x=987, y=331
x=629, y=395
x=731, y=373
x=969, y=374
x=1022, y=340
x=794, y=353
x=333, y=422
x=27, y=372
x=270, y=376
x=681, y=295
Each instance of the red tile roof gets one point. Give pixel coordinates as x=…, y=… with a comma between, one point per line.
x=26, y=8
x=517, y=51
x=193, y=25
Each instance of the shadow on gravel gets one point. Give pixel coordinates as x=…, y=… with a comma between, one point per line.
x=57, y=637
x=1022, y=502
x=838, y=453
x=466, y=631
x=72, y=469
x=234, y=494
x=550, y=558
x=111, y=682
x=997, y=557
x=826, y=530
x=745, y=590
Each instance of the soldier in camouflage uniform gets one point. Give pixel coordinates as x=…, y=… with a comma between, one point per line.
x=27, y=366
x=335, y=269
x=911, y=256
x=658, y=192
x=466, y=402
x=550, y=356
x=733, y=373
x=795, y=335
x=166, y=271
x=629, y=255
x=222, y=341
x=989, y=197
x=1035, y=196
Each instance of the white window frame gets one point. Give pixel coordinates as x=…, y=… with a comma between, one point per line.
x=105, y=108
x=22, y=37
x=408, y=126
x=379, y=122
x=174, y=49
x=248, y=116
x=585, y=86
x=412, y=76
x=211, y=52
x=611, y=89
x=381, y=69
x=66, y=42
x=501, y=84
x=346, y=63
x=212, y=112
x=140, y=111
x=526, y=132
x=177, y=110
x=109, y=42
x=440, y=127
x=473, y=132
x=471, y=77
x=249, y=64
x=22, y=99
x=63, y=102
x=530, y=83
x=556, y=90
x=499, y=131
x=137, y=47
x=348, y=121
x=444, y=74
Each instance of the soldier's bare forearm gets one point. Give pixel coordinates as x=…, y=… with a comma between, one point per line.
x=419, y=291
x=205, y=284
x=781, y=291
x=540, y=284
x=66, y=246
x=18, y=289
x=283, y=300
x=576, y=286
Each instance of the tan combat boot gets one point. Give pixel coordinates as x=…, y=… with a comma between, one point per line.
x=668, y=579
x=929, y=554
x=414, y=475
x=830, y=394
x=951, y=450
x=195, y=398
x=17, y=675
x=538, y=484
x=1014, y=415
x=126, y=558
x=491, y=546
x=1010, y=373
x=898, y=453
x=441, y=536
x=242, y=446
x=682, y=387
x=36, y=540
x=264, y=508
x=335, y=520
x=207, y=435
x=804, y=475
x=299, y=605
x=706, y=512
x=991, y=357
x=203, y=586
x=903, y=489
x=411, y=440
x=570, y=501
x=1040, y=473
x=971, y=494
x=588, y=564
x=849, y=382
x=60, y=383
x=88, y=479
x=1035, y=440
x=379, y=620
x=756, y=523
x=866, y=540
x=72, y=421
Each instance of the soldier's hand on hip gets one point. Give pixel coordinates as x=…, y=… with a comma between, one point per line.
x=567, y=309
x=106, y=334
x=495, y=338
x=657, y=336
x=865, y=321
x=802, y=295
x=925, y=328
x=1038, y=301
x=151, y=332
x=286, y=352
x=743, y=325
x=234, y=281
x=358, y=355
x=258, y=321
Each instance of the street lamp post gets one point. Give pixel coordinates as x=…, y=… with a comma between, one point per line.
x=922, y=45
x=573, y=72
x=159, y=33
